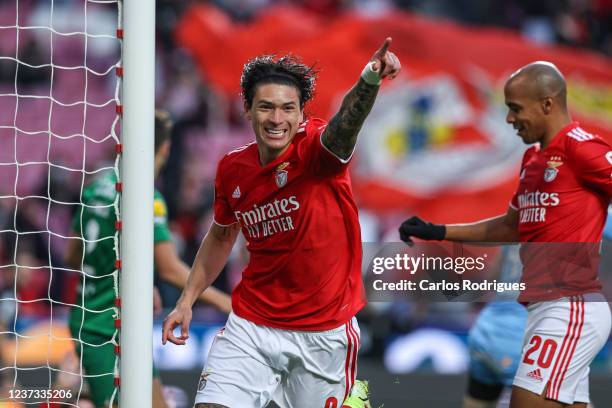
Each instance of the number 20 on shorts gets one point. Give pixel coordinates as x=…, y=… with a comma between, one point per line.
x=331, y=403
x=547, y=351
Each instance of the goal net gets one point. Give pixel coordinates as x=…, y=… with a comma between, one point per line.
x=60, y=111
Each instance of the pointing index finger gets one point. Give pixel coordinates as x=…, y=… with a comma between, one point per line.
x=383, y=49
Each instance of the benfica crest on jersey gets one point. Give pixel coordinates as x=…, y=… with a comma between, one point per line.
x=551, y=172
x=203, y=380
x=281, y=175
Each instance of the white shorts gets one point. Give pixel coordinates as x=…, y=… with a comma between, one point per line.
x=250, y=365
x=561, y=340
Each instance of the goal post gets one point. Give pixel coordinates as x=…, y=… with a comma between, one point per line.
x=137, y=176
x=77, y=102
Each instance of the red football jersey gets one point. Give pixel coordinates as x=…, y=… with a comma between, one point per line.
x=300, y=222
x=562, y=200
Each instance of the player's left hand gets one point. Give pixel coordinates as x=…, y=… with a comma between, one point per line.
x=386, y=63
x=180, y=316
x=416, y=227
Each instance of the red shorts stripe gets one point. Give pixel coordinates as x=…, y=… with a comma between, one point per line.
x=554, y=373
x=575, y=316
x=347, y=363
x=356, y=338
x=574, y=344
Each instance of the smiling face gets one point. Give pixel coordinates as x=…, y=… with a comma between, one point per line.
x=526, y=111
x=275, y=114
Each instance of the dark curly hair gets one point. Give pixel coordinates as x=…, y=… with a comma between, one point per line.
x=286, y=70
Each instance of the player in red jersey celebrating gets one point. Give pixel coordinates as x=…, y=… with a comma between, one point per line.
x=292, y=337
x=562, y=197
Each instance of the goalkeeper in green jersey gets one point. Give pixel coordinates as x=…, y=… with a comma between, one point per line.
x=94, y=330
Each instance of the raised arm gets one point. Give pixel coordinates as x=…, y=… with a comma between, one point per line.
x=341, y=133
x=503, y=228
x=209, y=261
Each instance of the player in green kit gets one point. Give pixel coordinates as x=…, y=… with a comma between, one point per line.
x=94, y=224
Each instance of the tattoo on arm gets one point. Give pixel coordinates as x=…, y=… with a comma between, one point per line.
x=341, y=133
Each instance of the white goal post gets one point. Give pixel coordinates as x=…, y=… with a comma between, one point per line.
x=70, y=72
x=137, y=170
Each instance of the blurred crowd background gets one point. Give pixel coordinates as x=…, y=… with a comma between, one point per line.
x=42, y=106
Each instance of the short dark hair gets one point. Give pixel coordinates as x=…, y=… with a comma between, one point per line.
x=286, y=70
x=163, y=127
x=545, y=80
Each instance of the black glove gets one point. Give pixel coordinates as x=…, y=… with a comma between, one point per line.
x=416, y=227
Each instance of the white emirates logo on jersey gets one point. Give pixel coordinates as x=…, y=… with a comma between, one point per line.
x=236, y=193
x=532, y=206
x=269, y=218
x=538, y=199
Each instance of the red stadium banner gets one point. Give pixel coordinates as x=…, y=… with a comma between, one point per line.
x=436, y=142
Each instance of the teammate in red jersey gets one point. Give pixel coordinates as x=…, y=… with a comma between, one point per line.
x=562, y=197
x=292, y=337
